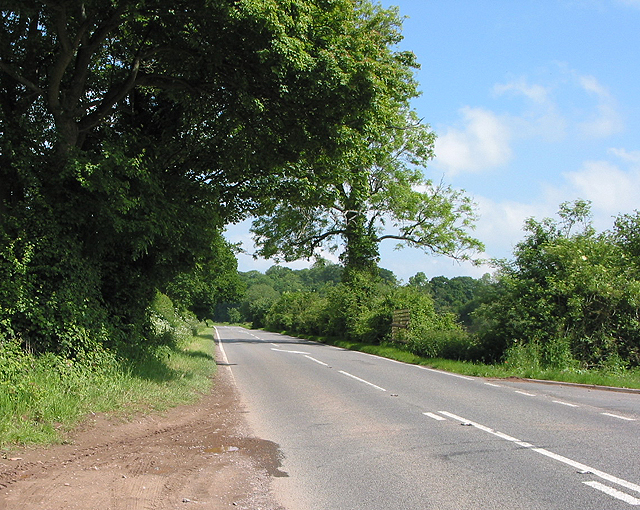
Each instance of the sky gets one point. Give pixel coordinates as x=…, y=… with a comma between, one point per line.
x=534, y=102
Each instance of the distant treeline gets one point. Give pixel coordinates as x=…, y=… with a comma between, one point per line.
x=570, y=298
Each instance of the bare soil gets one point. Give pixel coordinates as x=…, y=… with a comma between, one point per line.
x=199, y=456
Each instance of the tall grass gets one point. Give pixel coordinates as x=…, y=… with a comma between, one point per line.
x=44, y=397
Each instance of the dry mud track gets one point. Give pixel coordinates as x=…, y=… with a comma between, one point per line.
x=200, y=456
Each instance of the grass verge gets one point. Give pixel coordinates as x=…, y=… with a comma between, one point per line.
x=595, y=377
x=48, y=396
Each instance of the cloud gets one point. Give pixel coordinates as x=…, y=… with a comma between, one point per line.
x=544, y=117
x=536, y=93
x=482, y=142
x=540, y=117
x=612, y=190
x=606, y=120
x=500, y=224
x=631, y=157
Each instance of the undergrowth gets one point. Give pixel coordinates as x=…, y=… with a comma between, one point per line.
x=42, y=397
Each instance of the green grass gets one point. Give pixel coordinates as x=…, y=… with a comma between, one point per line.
x=48, y=396
x=597, y=377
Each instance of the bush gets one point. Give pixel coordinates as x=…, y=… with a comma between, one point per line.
x=455, y=344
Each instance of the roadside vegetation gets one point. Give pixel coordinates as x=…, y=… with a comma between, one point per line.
x=134, y=132
x=43, y=396
x=566, y=308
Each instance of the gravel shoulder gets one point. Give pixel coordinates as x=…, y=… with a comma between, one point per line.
x=199, y=456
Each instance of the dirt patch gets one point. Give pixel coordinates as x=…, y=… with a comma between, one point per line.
x=199, y=456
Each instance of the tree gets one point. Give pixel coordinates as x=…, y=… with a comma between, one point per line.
x=213, y=281
x=569, y=293
x=378, y=193
x=132, y=131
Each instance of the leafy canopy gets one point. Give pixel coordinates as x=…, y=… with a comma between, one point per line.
x=134, y=130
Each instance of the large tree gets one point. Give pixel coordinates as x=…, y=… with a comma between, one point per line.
x=378, y=193
x=133, y=130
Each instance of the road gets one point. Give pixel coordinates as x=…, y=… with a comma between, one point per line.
x=362, y=432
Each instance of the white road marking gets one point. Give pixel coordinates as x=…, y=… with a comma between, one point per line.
x=275, y=345
x=445, y=373
x=362, y=380
x=525, y=393
x=619, y=417
x=559, y=458
x=224, y=354
x=494, y=385
x=622, y=496
x=583, y=467
x=565, y=403
x=316, y=360
x=435, y=416
x=290, y=352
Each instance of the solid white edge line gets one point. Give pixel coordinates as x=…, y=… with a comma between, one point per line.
x=445, y=373
x=618, y=416
x=217, y=337
x=610, y=491
x=435, y=416
x=224, y=353
x=361, y=380
x=316, y=360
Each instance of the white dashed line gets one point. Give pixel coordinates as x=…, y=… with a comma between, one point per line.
x=565, y=403
x=618, y=416
x=445, y=373
x=362, y=380
x=290, y=352
x=622, y=496
x=525, y=393
x=316, y=360
x=583, y=468
x=435, y=416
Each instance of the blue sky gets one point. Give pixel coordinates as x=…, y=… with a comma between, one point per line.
x=535, y=102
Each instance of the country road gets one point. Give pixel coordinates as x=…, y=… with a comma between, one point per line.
x=361, y=432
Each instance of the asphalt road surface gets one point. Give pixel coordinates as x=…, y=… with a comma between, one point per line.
x=362, y=432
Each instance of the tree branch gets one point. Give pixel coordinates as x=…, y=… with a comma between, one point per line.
x=7, y=68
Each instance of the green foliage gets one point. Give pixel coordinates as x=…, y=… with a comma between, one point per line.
x=170, y=326
x=362, y=311
x=43, y=396
x=377, y=196
x=213, y=281
x=571, y=295
x=132, y=133
x=375, y=190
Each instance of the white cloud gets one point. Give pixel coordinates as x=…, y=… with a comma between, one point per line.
x=631, y=157
x=481, y=143
x=500, y=224
x=536, y=93
x=540, y=118
x=606, y=120
x=610, y=189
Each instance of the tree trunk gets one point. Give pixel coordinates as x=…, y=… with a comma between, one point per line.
x=361, y=254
